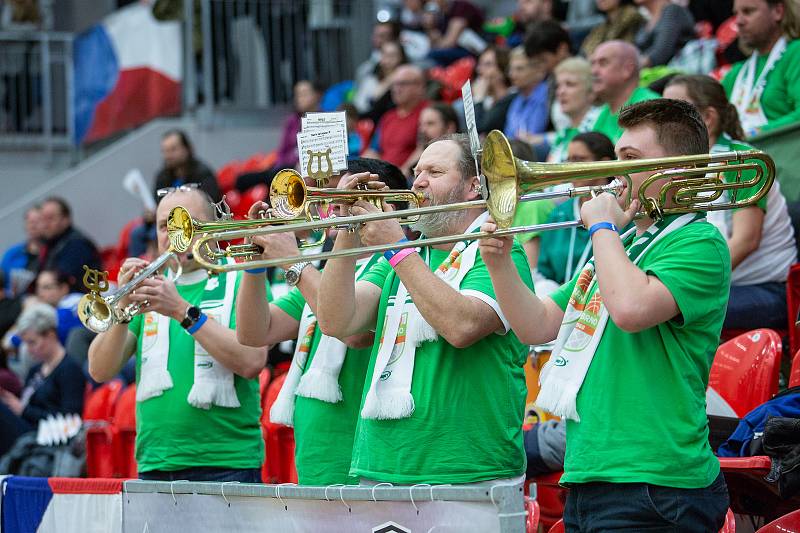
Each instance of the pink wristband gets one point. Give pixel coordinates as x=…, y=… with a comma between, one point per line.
x=402, y=254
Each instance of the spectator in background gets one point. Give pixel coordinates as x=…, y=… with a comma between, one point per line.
x=560, y=256
x=53, y=288
x=396, y=137
x=528, y=112
x=453, y=27
x=528, y=12
x=20, y=261
x=54, y=385
x=765, y=88
x=373, y=97
x=354, y=142
x=382, y=32
x=307, y=96
x=622, y=23
x=615, y=81
x=65, y=249
x=760, y=238
x=547, y=44
x=574, y=95
x=180, y=166
x=668, y=28
x=436, y=120
x=491, y=93
x=582, y=16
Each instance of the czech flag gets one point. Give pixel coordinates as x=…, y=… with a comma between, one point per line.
x=128, y=70
x=61, y=505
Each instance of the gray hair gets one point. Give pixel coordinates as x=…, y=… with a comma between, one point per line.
x=39, y=318
x=466, y=163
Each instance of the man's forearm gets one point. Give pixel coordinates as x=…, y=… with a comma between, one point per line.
x=221, y=343
x=107, y=353
x=336, y=292
x=252, y=315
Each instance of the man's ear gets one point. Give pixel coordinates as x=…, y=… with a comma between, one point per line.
x=474, y=189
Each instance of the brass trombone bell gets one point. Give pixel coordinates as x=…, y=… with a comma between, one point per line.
x=290, y=197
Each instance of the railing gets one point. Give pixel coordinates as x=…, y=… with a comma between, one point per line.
x=253, y=51
x=36, y=89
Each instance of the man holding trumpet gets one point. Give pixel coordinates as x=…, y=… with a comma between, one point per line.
x=197, y=397
x=322, y=392
x=445, y=388
x=636, y=331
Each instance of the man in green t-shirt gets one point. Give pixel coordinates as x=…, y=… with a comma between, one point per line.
x=197, y=395
x=321, y=395
x=765, y=88
x=636, y=331
x=615, y=82
x=445, y=388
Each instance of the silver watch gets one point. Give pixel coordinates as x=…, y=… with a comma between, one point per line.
x=293, y=274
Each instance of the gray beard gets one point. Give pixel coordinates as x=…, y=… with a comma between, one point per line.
x=441, y=224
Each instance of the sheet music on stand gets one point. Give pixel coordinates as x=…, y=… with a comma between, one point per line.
x=472, y=130
x=321, y=131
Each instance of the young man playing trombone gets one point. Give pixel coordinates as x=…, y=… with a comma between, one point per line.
x=197, y=395
x=322, y=392
x=445, y=388
x=636, y=331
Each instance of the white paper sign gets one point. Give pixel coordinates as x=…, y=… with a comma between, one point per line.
x=134, y=183
x=469, y=114
x=320, y=132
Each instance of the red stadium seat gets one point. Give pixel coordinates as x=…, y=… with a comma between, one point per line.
x=226, y=176
x=532, y=518
x=279, y=463
x=558, y=527
x=788, y=523
x=793, y=307
x=125, y=433
x=97, y=414
x=745, y=370
x=453, y=77
x=364, y=128
x=794, y=374
x=550, y=497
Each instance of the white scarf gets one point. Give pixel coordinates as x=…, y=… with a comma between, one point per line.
x=747, y=90
x=321, y=381
x=213, y=383
x=582, y=328
x=404, y=330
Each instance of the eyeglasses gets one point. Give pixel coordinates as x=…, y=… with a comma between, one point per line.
x=160, y=193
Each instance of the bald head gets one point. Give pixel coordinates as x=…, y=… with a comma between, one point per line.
x=196, y=201
x=408, y=86
x=615, y=69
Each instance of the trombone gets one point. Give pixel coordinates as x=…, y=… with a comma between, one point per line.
x=290, y=197
x=99, y=313
x=680, y=184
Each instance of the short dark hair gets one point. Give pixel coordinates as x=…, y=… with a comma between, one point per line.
x=394, y=26
x=598, y=144
x=545, y=36
x=63, y=206
x=446, y=112
x=679, y=128
x=389, y=173
x=183, y=137
x=466, y=163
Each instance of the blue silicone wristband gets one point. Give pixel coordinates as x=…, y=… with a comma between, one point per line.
x=602, y=225
x=197, y=325
x=255, y=270
x=388, y=254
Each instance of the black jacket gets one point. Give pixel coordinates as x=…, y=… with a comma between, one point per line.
x=68, y=253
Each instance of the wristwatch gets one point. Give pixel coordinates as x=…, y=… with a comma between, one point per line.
x=293, y=274
x=191, y=316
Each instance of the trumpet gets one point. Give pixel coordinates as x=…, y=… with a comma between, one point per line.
x=678, y=185
x=290, y=197
x=99, y=313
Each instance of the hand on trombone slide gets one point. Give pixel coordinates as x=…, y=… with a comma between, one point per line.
x=274, y=245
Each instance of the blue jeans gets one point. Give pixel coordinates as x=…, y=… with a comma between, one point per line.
x=204, y=473
x=757, y=306
x=640, y=506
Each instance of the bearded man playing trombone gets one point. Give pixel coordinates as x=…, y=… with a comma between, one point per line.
x=636, y=331
x=445, y=389
x=197, y=395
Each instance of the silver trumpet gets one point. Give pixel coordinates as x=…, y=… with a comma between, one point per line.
x=98, y=313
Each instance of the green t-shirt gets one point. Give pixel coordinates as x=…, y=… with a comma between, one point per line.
x=324, y=432
x=171, y=434
x=780, y=100
x=642, y=402
x=530, y=213
x=607, y=121
x=467, y=422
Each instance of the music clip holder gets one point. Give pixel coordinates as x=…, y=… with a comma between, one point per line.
x=320, y=176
